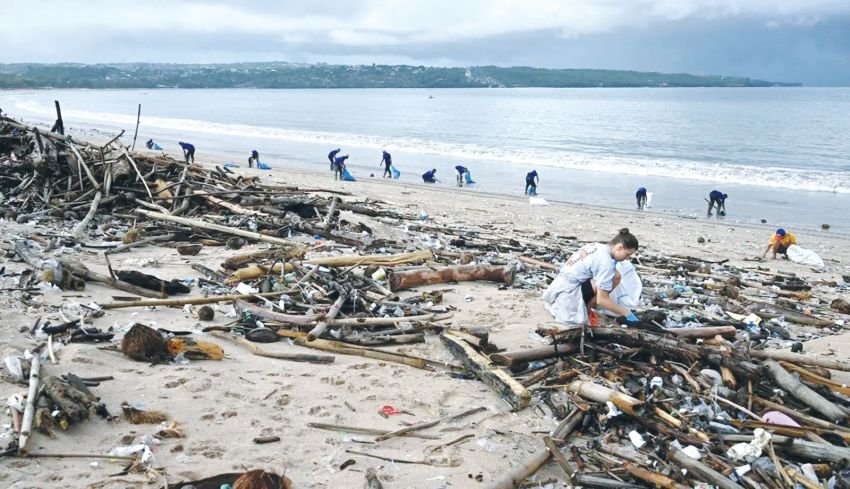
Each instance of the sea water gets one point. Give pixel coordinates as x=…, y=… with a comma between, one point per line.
x=782, y=154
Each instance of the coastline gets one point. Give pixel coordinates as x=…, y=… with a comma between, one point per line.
x=222, y=405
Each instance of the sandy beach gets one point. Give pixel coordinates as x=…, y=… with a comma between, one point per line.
x=221, y=406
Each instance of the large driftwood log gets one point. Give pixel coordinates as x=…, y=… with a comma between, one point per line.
x=514, y=477
x=800, y=359
x=700, y=470
x=508, y=389
x=459, y=273
x=803, y=393
x=804, y=449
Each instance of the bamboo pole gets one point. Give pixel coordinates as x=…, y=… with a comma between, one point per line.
x=294, y=357
x=215, y=227
x=378, y=260
x=29, y=409
x=514, y=477
x=320, y=328
x=193, y=301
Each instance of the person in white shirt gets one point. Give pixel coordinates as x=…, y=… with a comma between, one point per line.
x=588, y=277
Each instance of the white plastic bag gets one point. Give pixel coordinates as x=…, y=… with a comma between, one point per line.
x=804, y=256
x=627, y=294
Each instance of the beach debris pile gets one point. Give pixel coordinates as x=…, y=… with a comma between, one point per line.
x=697, y=393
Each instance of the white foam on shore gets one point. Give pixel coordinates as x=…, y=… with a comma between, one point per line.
x=682, y=169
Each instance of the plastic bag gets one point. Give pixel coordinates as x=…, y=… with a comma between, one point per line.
x=804, y=256
x=395, y=173
x=627, y=294
x=348, y=177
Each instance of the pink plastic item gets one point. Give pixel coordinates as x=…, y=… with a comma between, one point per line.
x=777, y=418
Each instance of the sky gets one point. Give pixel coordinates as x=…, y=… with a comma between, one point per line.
x=778, y=40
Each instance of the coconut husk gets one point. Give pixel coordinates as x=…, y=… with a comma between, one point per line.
x=259, y=479
x=194, y=349
x=140, y=416
x=145, y=344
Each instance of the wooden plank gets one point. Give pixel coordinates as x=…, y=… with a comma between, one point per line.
x=479, y=365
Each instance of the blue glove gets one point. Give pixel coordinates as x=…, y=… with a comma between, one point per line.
x=631, y=318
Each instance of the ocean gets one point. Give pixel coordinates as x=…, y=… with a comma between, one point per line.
x=782, y=154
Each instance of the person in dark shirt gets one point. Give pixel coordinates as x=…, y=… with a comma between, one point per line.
x=332, y=157
x=387, y=161
x=640, y=195
x=339, y=166
x=461, y=171
x=188, y=151
x=717, y=198
x=254, y=158
x=430, y=176
x=149, y=144
x=531, y=182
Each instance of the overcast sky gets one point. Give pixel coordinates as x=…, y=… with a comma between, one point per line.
x=781, y=40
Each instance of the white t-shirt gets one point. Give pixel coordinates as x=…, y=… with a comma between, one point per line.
x=594, y=261
x=563, y=297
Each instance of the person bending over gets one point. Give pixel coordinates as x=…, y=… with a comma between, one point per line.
x=461, y=171
x=779, y=243
x=430, y=176
x=253, y=159
x=640, y=195
x=588, y=277
x=332, y=157
x=339, y=166
x=188, y=151
x=717, y=198
x=531, y=182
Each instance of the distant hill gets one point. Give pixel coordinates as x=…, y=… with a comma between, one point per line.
x=291, y=75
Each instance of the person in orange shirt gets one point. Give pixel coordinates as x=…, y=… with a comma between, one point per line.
x=780, y=242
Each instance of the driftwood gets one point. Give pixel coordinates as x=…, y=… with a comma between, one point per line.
x=428, y=424
x=508, y=389
x=459, y=273
x=817, y=361
x=514, y=477
x=320, y=328
x=531, y=354
x=806, y=450
x=293, y=357
x=29, y=408
x=215, y=227
x=193, y=301
x=82, y=226
x=803, y=393
x=699, y=469
x=704, y=332
x=366, y=431
x=378, y=260
x=362, y=351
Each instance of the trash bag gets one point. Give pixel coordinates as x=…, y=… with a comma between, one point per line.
x=348, y=177
x=468, y=177
x=396, y=174
x=263, y=166
x=649, y=199
x=627, y=294
x=156, y=147
x=804, y=256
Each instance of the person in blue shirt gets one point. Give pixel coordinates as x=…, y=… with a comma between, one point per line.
x=254, y=158
x=387, y=161
x=332, y=156
x=640, y=195
x=717, y=198
x=461, y=170
x=338, y=166
x=430, y=176
x=531, y=182
x=188, y=151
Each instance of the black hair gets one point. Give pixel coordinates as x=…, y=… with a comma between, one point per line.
x=627, y=239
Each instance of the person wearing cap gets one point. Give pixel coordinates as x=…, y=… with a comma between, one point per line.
x=640, y=195
x=779, y=243
x=717, y=198
x=430, y=176
x=254, y=158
